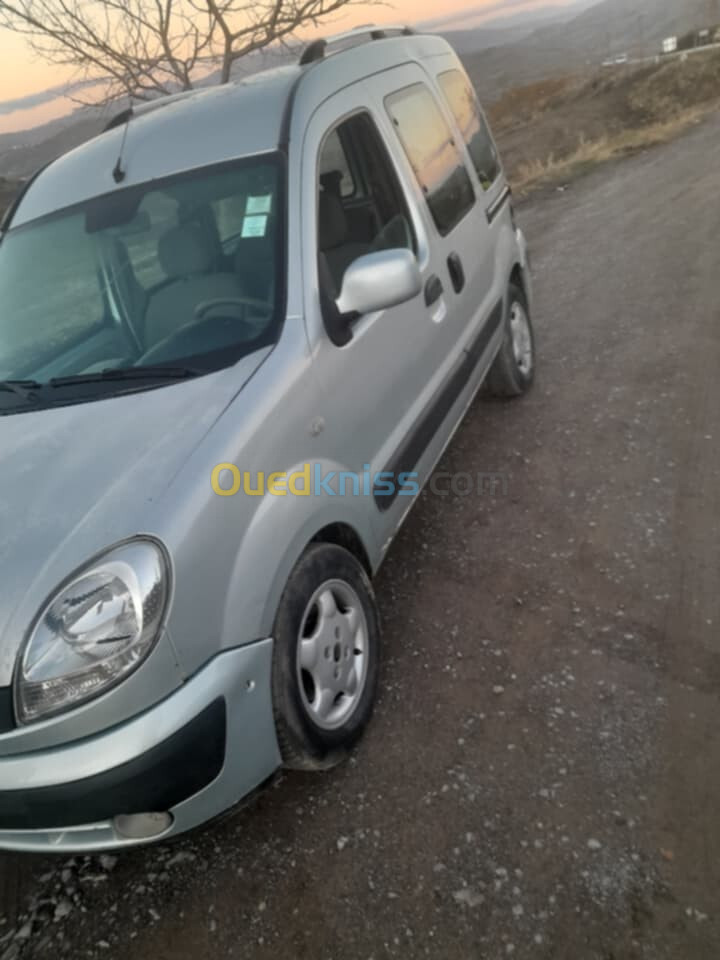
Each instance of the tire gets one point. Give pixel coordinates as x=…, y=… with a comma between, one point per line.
x=325, y=658
x=513, y=370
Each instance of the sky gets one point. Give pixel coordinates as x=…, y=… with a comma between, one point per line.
x=22, y=73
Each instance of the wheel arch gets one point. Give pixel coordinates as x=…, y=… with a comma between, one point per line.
x=275, y=538
x=321, y=529
x=344, y=535
x=517, y=276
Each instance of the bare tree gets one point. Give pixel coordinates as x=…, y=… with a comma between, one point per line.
x=146, y=48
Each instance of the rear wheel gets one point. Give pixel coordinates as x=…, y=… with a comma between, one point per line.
x=513, y=370
x=326, y=658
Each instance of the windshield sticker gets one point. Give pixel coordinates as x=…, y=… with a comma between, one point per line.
x=254, y=227
x=257, y=205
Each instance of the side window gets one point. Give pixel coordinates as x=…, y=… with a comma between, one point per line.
x=473, y=126
x=433, y=154
x=374, y=218
x=334, y=161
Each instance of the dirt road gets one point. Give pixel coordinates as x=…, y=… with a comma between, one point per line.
x=542, y=778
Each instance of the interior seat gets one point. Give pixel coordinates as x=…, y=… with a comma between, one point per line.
x=338, y=248
x=187, y=259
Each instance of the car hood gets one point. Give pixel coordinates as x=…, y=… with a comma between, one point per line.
x=76, y=479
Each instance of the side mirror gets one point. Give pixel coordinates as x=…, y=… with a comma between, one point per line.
x=379, y=281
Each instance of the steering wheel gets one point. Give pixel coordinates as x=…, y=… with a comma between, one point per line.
x=190, y=338
x=205, y=310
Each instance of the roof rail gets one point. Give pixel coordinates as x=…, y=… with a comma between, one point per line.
x=148, y=106
x=316, y=50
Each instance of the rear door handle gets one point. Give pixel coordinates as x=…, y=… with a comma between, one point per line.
x=457, y=274
x=433, y=290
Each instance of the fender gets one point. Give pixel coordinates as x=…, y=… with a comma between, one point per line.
x=262, y=566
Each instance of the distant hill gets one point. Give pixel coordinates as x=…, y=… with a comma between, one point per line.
x=504, y=30
x=8, y=189
x=639, y=25
x=22, y=154
x=605, y=29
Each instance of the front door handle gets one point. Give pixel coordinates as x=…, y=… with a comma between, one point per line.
x=457, y=274
x=433, y=290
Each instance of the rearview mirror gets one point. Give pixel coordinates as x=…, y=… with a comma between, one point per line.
x=379, y=281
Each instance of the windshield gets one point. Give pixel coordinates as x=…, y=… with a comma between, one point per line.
x=181, y=272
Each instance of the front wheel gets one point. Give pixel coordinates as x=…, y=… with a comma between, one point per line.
x=513, y=370
x=325, y=659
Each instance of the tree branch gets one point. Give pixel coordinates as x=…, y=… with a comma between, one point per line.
x=146, y=48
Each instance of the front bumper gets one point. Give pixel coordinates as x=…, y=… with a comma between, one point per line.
x=187, y=759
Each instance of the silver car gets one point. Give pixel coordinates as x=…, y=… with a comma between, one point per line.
x=237, y=331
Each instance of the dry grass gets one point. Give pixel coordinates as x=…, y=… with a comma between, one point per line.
x=591, y=153
x=559, y=128
x=524, y=104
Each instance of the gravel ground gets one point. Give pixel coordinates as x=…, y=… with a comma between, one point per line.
x=541, y=777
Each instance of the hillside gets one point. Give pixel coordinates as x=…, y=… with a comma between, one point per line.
x=607, y=28
x=21, y=155
x=547, y=131
x=8, y=189
x=638, y=26
x=500, y=31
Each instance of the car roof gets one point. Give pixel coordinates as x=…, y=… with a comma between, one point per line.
x=207, y=126
x=172, y=135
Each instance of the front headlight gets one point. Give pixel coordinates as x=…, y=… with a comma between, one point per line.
x=94, y=631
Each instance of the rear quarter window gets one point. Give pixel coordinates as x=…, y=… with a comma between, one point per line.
x=435, y=157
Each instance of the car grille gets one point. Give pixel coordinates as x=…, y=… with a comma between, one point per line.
x=7, y=719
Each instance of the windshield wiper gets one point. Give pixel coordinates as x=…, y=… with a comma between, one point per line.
x=23, y=388
x=127, y=373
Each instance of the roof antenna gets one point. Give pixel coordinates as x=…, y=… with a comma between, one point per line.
x=124, y=117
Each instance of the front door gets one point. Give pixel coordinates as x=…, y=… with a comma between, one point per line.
x=376, y=385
